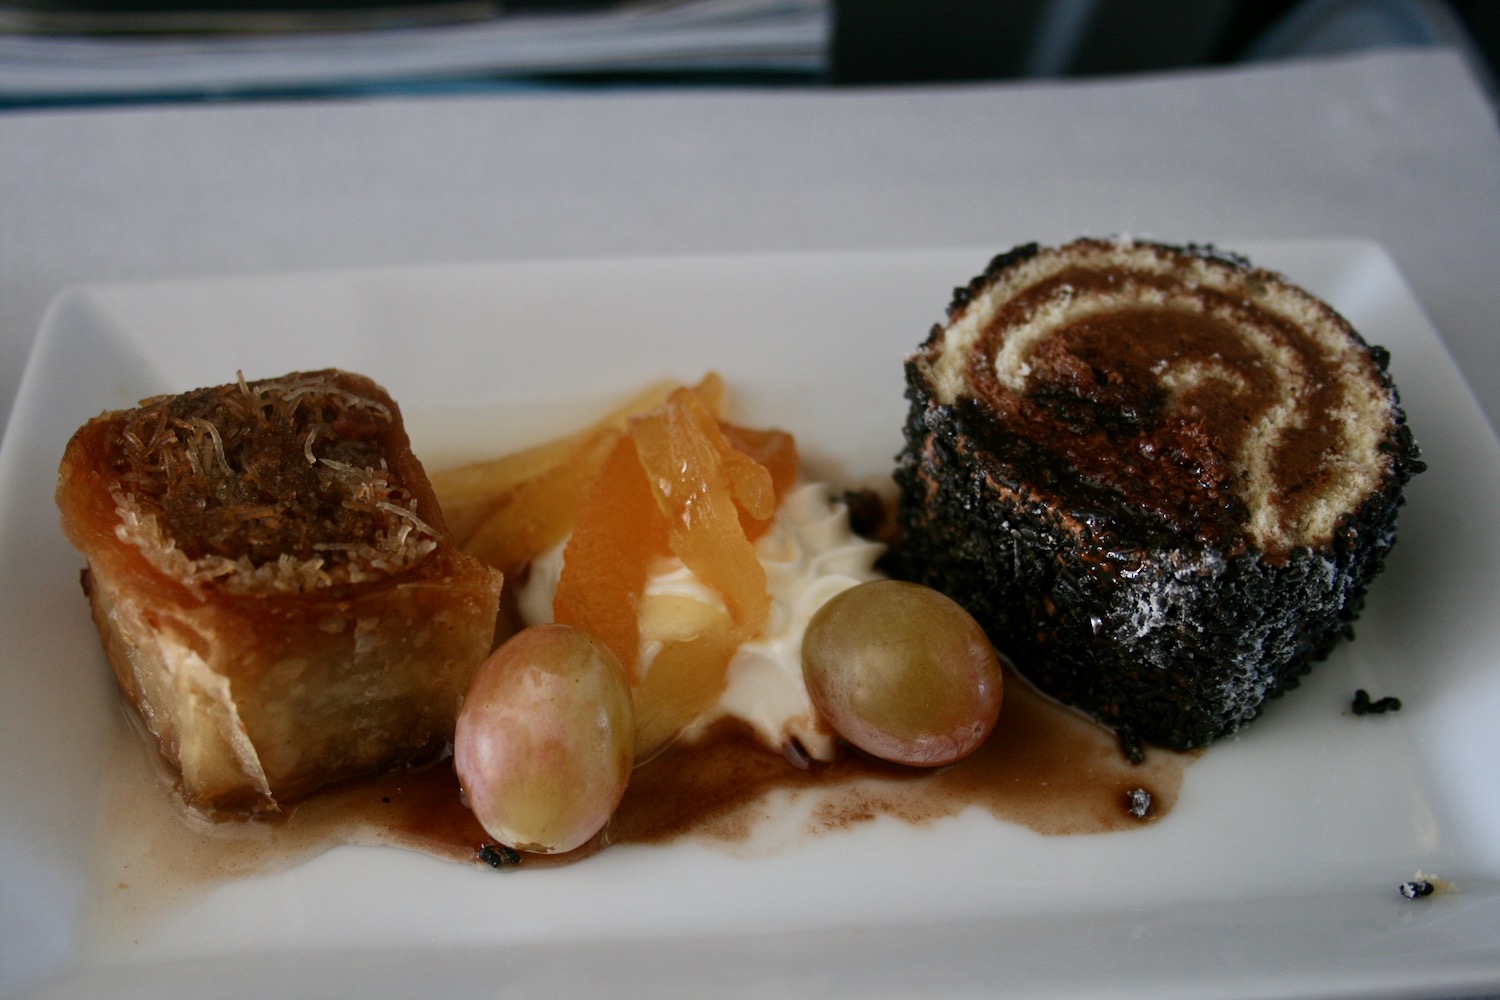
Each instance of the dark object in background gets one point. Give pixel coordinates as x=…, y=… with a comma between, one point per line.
x=889, y=41
x=904, y=41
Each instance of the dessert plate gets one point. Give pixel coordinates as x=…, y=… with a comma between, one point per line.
x=1276, y=875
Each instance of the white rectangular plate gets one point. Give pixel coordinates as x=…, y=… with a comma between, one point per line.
x=1276, y=875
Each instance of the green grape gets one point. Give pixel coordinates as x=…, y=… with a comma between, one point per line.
x=546, y=739
x=902, y=672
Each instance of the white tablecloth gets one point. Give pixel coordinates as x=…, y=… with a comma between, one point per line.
x=1400, y=148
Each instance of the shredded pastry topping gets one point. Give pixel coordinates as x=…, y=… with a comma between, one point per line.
x=280, y=483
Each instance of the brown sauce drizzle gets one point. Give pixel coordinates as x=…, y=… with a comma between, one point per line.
x=1045, y=767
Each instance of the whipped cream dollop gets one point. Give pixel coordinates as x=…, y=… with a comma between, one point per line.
x=810, y=554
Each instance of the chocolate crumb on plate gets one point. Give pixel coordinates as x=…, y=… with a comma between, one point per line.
x=1363, y=705
x=1423, y=885
x=1416, y=889
x=499, y=856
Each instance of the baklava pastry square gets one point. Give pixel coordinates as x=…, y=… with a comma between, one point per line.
x=274, y=584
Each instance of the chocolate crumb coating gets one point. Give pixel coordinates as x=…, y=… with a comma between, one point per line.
x=1162, y=479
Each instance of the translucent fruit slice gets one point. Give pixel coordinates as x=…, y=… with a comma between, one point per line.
x=470, y=492
x=775, y=452
x=681, y=448
x=539, y=512
x=700, y=483
x=619, y=532
x=684, y=680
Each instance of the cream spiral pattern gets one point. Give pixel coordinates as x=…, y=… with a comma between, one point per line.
x=1145, y=337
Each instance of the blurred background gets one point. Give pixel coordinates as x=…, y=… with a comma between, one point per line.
x=61, y=52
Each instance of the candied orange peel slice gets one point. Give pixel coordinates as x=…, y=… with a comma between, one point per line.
x=538, y=513
x=617, y=535
x=470, y=493
x=699, y=492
